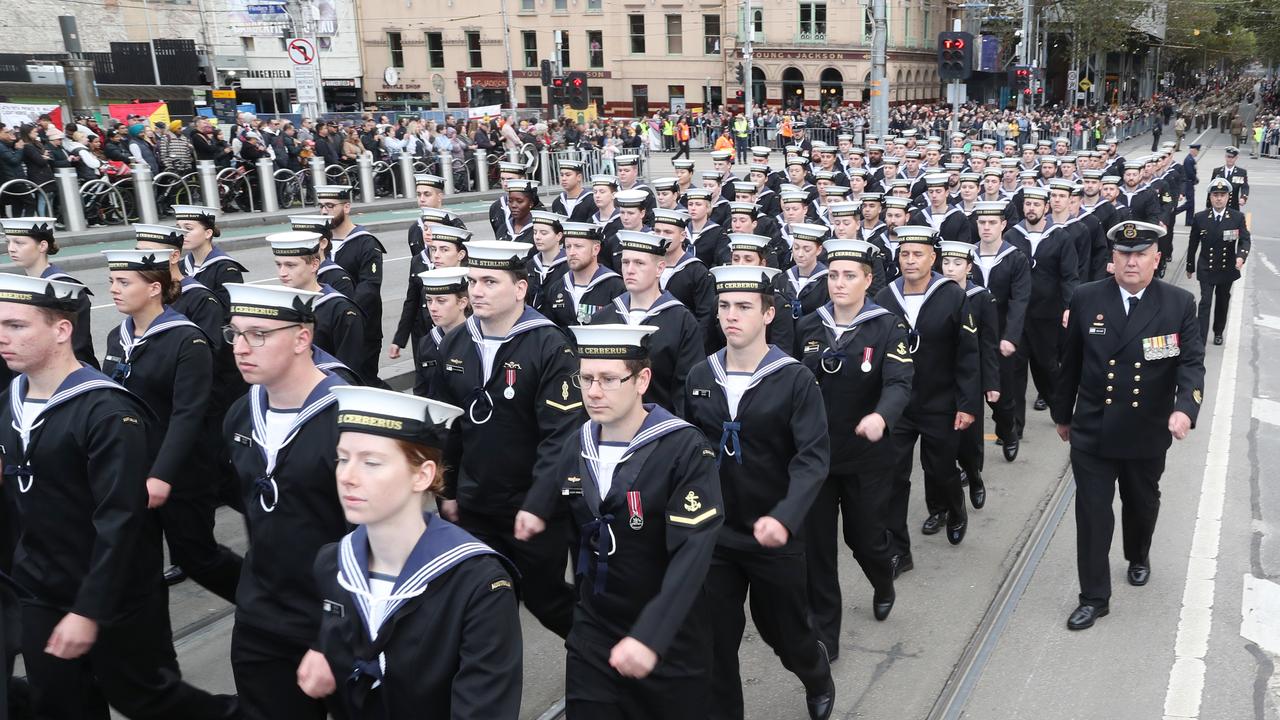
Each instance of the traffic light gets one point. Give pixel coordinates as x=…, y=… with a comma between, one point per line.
x=737, y=73
x=545, y=69
x=955, y=55
x=576, y=83
x=555, y=91
x=1020, y=79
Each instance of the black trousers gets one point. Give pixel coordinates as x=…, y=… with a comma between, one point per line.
x=1096, y=480
x=595, y=691
x=861, y=499
x=131, y=667
x=1218, y=297
x=971, y=448
x=541, y=561
x=942, y=492
x=265, y=666
x=683, y=150
x=1041, y=338
x=774, y=585
x=187, y=518
x=1004, y=412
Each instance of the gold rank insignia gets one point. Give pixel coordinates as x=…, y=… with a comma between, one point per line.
x=691, y=502
x=512, y=365
x=1197, y=396
x=564, y=390
x=902, y=348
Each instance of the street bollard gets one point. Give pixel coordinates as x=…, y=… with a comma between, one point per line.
x=267, y=185
x=208, y=172
x=69, y=194
x=406, y=175
x=482, y=170
x=318, y=176
x=444, y=161
x=144, y=191
x=545, y=169
x=365, y=164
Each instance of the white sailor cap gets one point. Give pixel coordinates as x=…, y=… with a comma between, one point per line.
x=612, y=341
x=274, y=302
x=40, y=292
x=294, y=243
x=744, y=278
x=136, y=259
x=497, y=254
x=374, y=411
x=444, y=280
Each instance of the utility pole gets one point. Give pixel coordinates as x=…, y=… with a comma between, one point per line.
x=557, y=65
x=1024, y=47
x=958, y=26
x=879, y=74
x=309, y=32
x=749, y=33
x=506, y=43
x=155, y=66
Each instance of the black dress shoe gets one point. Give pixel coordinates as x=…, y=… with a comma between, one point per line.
x=956, y=530
x=882, y=605
x=1010, y=451
x=1139, y=573
x=977, y=492
x=999, y=441
x=1217, y=339
x=821, y=705
x=902, y=564
x=933, y=523
x=1040, y=404
x=964, y=477
x=174, y=575
x=1085, y=616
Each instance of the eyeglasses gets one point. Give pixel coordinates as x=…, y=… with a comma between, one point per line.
x=607, y=383
x=328, y=206
x=254, y=338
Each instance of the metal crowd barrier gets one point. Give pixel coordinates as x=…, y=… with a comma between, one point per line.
x=21, y=187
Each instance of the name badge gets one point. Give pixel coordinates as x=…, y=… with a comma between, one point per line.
x=698, y=392
x=245, y=441
x=453, y=368
x=332, y=608
x=1097, y=330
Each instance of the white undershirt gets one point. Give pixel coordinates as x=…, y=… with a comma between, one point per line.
x=912, y=305
x=986, y=262
x=577, y=291
x=1034, y=238
x=278, y=424
x=610, y=454
x=380, y=587
x=31, y=410
x=735, y=385
x=337, y=245
x=665, y=277
x=635, y=317
x=489, y=352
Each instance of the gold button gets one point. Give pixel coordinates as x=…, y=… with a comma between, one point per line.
x=1137, y=378
x=1135, y=403
x=1111, y=362
x=1108, y=388
x=1108, y=401
x=1111, y=376
x=1136, y=391
x=1137, y=365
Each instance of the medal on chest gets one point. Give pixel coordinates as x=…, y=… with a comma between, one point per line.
x=866, y=358
x=635, y=509
x=510, y=391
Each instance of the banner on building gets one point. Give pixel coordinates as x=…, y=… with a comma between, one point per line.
x=154, y=111
x=486, y=111
x=26, y=113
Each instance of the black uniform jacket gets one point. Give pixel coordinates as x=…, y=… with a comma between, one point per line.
x=503, y=445
x=692, y=284
x=706, y=243
x=805, y=295
x=562, y=310
x=1009, y=282
x=291, y=509
x=1239, y=180
x=1220, y=242
x=860, y=372
x=170, y=368
x=982, y=306
x=1143, y=203
x=674, y=348
x=951, y=225
x=500, y=219
x=415, y=321
x=542, y=278
x=773, y=454
x=198, y=304
x=425, y=376
x=1122, y=376
x=339, y=326
x=579, y=210
x=82, y=333
x=1096, y=252
x=1054, y=269
x=448, y=643
x=943, y=343
x=644, y=548
x=330, y=364
x=416, y=240
x=336, y=277
x=361, y=256
x=215, y=272
x=78, y=484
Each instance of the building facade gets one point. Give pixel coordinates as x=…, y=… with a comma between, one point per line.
x=641, y=56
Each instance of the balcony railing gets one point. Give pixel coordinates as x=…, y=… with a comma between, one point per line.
x=812, y=35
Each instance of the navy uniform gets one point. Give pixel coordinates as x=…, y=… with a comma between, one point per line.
x=441, y=281
x=522, y=399
x=330, y=364
x=338, y=323
x=706, y=242
x=943, y=343
x=773, y=457
x=1054, y=277
x=1221, y=239
x=415, y=321
x=859, y=372
x=170, y=367
x=75, y=470
x=689, y=281
x=543, y=275
x=806, y=294
x=646, y=526
x=1007, y=276
x=781, y=332
x=416, y=237
x=675, y=346
x=330, y=272
x=1142, y=203
x=568, y=303
x=453, y=589
x=952, y=224
x=41, y=229
x=360, y=255
x=765, y=225
x=218, y=268
x=283, y=461
x=1237, y=176
x=1128, y=362
x=499, y=213
x=581, y=208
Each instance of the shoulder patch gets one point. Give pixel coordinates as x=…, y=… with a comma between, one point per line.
x=199, y=341
x=502, y=584
x=131, y=420
x=708, y=452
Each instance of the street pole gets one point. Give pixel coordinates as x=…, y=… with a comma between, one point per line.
x=879, y=74
x=559, y=66
x=1024, y=48
x=750, y=28
x=506, y=43
x=155, y=66
x=309, y=32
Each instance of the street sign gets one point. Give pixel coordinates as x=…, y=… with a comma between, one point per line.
x=1086, y=84
x=302, y=51
x=1073, y=78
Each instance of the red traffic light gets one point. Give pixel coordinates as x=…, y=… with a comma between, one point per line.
x=557, y=82
x=953, y=44
x=577, y=82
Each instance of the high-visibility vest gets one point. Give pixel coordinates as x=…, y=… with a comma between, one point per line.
x=667, y=127
x=740, y=127
x=684, y=132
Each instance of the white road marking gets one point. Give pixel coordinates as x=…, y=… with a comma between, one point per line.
x=1267, y=411
x=1271, y=322
x=1186, y=679
x=1260, y=613
x=1266, y=262
x=260, y=281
